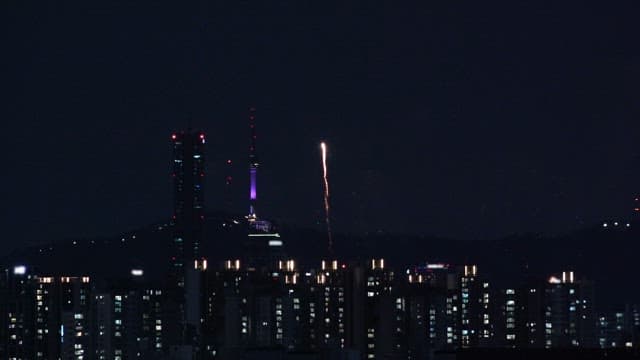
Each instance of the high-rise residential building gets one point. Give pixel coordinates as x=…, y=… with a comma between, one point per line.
x=531, y=315
x=518, y=316
x=74, y=294
x=227, y=310
x=188, y=232
x=475, y=314
x=328, y=311
x=292, y=320
x=569, y=312
x=619, y=328
x=129, y=320
x=426, y=291
x=507, y=317
x=18, y=309
x=614, y=331
x=45, y=317
x=188, y=214
x=634, y=323
x=380, y=307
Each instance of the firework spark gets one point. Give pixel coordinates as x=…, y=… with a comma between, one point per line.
x=323, y=148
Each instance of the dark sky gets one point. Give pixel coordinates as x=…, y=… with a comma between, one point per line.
x=460, y=119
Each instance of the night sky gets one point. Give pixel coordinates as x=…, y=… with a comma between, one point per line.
x=459, y=119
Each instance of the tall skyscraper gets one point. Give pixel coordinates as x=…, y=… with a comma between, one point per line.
x=188, y=224
x=188, y=213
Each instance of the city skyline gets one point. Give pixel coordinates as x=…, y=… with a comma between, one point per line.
x=358, y=309
x=182, y=299
x=439, y=121
x=320, y=180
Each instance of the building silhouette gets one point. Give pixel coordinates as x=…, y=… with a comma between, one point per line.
x=183, y=303
x=188, y=208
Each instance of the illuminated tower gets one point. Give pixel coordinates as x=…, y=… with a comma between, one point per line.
x=253, y=165
x=188, y=213
x=263, y=246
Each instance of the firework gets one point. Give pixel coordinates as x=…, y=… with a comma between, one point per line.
x=323, y=149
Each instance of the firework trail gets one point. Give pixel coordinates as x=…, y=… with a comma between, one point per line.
x=323, y=148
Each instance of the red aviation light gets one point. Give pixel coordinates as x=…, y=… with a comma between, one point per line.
x=173, y=136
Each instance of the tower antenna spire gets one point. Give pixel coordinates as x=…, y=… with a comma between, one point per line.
x=253, y=164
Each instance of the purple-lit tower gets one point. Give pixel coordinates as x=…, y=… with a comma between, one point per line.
x=253, y=165
x=264, y=247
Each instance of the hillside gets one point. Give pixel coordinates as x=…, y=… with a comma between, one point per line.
x=605, y=255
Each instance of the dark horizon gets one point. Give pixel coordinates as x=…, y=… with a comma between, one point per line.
x=320, y=228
